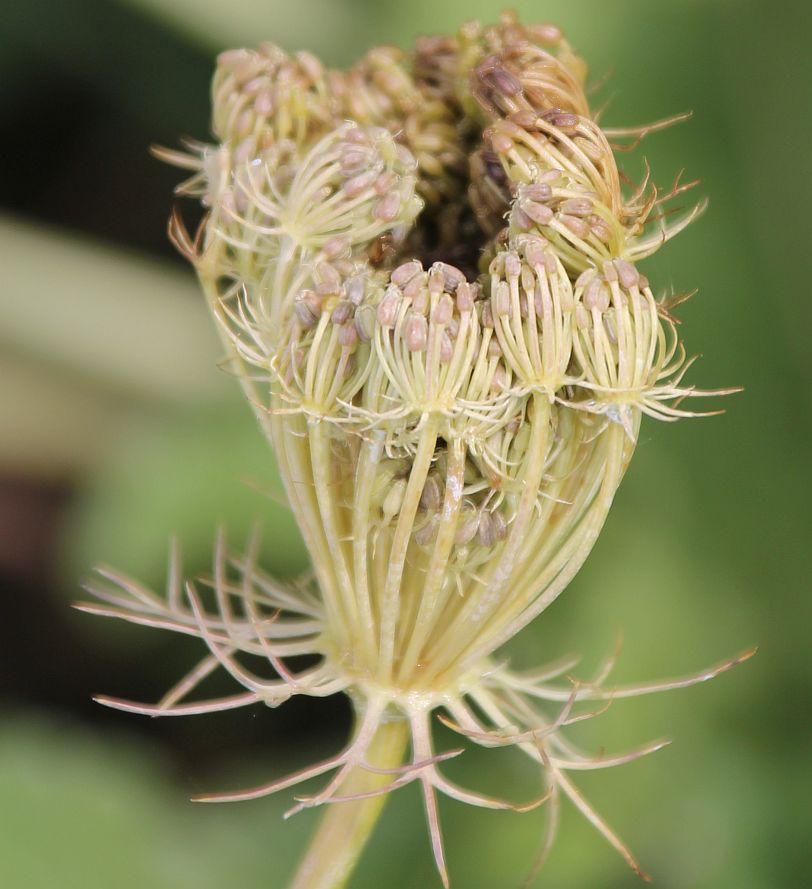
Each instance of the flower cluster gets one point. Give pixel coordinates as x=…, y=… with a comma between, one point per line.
x=424, y=269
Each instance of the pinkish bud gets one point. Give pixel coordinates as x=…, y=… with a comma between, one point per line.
x=388, y=207
x=501, y=299
x=348, y=335
x=539, y=213
x=416, y=332
x=577, y=226
x=596, y=295
x=576, y=206
x=627, y=273
x=388, y=308
x=405, y=272
x=443, y=310
x=465, y=300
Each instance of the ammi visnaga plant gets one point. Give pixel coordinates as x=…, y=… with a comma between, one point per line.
x=425, y=272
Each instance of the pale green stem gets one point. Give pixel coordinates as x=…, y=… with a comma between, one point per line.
x=345, y=827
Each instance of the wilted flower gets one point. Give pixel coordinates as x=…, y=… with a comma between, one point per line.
x=424, y=270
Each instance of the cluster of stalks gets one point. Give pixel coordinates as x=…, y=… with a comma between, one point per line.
x=425, y=272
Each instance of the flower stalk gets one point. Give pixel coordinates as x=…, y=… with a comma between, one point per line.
x=344, y=830
x=424, y=271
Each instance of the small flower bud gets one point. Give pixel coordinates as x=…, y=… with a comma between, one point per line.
x=443, y=311
x=342, y=312
x=432, y=494
x=577, y=226
x=576, y=206
x=359, y=183
x=446, y=347
x=415, y=286
x=465, y=301
x=627, y=273
x=596, y=296
x=513, y=266
x=501, y=299
x=348, y=335
x=354, y=290
x=365, y=323
x=405, y=272
x=415, y=332
x=389, y=307
x=537, y=191
x=388, y=207
x=307, y=307
x=539, y=213
x=394, y=499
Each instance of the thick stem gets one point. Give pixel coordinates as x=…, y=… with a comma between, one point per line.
x=345, y=827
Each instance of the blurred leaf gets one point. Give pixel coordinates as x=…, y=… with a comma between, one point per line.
x=53, y=424
x=90, y=334
x=82, y=812
x=125, y=322
x=183, y=474
x=321, y=26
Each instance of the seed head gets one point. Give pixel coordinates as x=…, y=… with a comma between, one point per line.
x=425, y=271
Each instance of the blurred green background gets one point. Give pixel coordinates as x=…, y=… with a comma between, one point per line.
x=118, y=430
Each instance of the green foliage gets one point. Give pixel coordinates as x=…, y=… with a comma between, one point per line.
x=81, y=812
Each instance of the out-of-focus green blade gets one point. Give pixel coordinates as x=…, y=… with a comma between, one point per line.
x=121, y=321
x=317, y=25
x=83, y=811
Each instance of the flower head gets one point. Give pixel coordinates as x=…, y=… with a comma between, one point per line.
x=424, y=270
